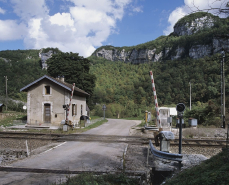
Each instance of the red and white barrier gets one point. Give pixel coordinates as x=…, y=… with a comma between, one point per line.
x=73, y=86
x=155, y=98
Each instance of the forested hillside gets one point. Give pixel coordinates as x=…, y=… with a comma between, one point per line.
x=21, y=68
x=126, y=88
x=130, y=86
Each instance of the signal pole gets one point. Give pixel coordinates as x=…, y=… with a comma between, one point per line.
x=190, y=95
x=6, y=93
x=223, y=89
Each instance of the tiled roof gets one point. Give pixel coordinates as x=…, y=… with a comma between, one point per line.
x=57, y=81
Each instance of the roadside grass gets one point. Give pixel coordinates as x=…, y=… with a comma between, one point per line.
x=109, y=179
x=98, y=123
x=214, y=171
x=94, y=117
x=132, y=118
x=142, y=124
x=8, y=121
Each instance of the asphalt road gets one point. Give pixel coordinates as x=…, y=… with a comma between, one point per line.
x=74, y=155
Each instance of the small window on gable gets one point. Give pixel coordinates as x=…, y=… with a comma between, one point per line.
x=47, y=90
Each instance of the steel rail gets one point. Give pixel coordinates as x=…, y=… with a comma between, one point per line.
x=108, y=139
x=59, y=171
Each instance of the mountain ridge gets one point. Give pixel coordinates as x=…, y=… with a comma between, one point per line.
x=195, y=36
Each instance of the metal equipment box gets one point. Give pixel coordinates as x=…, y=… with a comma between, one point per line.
x=192, y=122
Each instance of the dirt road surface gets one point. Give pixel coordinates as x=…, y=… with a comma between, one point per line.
x=73, y=155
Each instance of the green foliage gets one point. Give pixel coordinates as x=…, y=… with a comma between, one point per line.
x=55, y=50
x=130, y=86
x=21, y=68
x=10, y=116
x=74, y=68
x=191, y=17
x=205, y=113
x=109, y=179
x=214, y=171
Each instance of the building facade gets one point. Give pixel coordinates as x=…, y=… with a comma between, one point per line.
x=46, y=97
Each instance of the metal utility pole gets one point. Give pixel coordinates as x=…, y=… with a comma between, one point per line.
x=223, y=89
x=190, y=95
x=6, y=93
x=104, y=109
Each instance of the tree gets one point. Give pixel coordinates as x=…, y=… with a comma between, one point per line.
x=74, y=68
x=216, y=7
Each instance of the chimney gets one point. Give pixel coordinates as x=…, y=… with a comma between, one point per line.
x=62, y=78
x=58, y=77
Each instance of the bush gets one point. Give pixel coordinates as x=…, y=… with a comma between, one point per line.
x=206, y=114
x=110, y=179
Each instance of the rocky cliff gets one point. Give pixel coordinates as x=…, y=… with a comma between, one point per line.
x=194, y=36
x=45, y=54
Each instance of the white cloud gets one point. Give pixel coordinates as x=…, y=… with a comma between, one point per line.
x=2, y=11
x=137, y=9
x=11, y=30
x=193, y=6
x=27, y=9
x=84, y=24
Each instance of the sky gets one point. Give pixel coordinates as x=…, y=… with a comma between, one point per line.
x=81, y=26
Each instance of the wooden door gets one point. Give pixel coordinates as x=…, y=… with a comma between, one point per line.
x=47, y=113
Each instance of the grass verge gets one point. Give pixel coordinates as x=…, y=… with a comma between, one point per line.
x=214, y=171
x=9, y=122
x=132, y=118
x=10, y=116
x=110, y=179
x=98, y=123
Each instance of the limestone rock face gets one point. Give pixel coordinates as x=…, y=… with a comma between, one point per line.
x=44, y=57
x=199, y=51
x=193, y=27
x=219, y=43
x=175, y=48
x=179, y=52
x=134, y=56
x=146, y=55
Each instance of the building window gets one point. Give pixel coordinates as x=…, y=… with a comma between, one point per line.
x=47, y=90
x=81, y=110
x=74, y=109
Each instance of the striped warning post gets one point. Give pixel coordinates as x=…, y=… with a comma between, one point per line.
x=155, y=98
x=73, y=86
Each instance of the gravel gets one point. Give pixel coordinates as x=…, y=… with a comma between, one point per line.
x=135, y=158
x=12, y=149
x=136, y=155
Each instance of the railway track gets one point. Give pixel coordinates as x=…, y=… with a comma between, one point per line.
x=108, y=139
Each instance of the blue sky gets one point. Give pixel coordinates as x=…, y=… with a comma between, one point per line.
x=81, y=26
